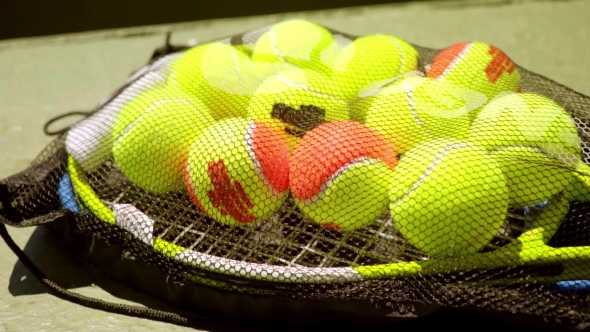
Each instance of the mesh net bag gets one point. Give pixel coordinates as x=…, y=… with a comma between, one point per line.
x=296, y=171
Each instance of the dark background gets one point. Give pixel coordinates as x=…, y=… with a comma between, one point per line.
x=25, y=18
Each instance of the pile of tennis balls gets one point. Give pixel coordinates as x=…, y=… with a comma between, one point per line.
x=349, y=129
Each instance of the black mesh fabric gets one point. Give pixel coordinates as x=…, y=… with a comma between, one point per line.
x=299, y=162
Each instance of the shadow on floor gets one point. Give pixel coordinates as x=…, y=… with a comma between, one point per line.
x=52, y=257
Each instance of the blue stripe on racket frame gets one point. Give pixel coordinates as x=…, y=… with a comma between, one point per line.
x=574, y=285
x=566, y=285
x=66, y=194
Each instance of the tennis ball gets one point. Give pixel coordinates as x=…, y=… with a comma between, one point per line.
x=152, y=149
x=371, y=62
x=359, y=105
x=296, y=101
x=532, y=177
x=299, y=42
x=419, y=109
x=340, y=175
x=528, y=120
x=478, y=66
x=238, y=171
x=448, y=197
x=145, y=101
x=579, y=189
x=222, y=76
x=90, y=141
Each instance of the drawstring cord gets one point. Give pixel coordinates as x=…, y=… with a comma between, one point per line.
x=60, y=117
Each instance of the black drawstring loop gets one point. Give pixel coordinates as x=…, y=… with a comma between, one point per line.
x=59, y=117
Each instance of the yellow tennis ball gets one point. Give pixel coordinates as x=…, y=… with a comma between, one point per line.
x=340, y=175
x=448, y=197
x=478, y=66
x=371, y=62
x=579, y=189
x=186, y=72
x=299, y=42
x=419, y=109
x=295, y=101
x=238, y=171
x=528, y=120
x=532, y=176
x=142, y=102
x=153, y=148
x=222, y=76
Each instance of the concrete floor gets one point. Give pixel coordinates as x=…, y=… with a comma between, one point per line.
x=44, y=77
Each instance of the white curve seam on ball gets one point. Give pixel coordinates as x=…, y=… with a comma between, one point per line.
x=190, y=179
x=494, y=113
x=240, y=83
x=430, y=168
x=328, y=52
x=456, y=60
x=473, y=100
x=305, y=87
x=295, y=274
x=373, y=88
x=413, y=109
x=537, y=128
x=173, y=78
x=275, y=47
x=136, y=222
x=340, y=171
x=234, y=58
x=154, y=105
x=249, y=138
x=402, y=57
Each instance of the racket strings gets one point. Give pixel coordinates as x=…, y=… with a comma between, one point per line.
x=286, y=239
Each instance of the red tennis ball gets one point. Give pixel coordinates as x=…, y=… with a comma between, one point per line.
x=340, y=174
x=478, y=66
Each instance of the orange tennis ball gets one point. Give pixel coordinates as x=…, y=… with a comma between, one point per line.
x=478, y=66
x=340, y=174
